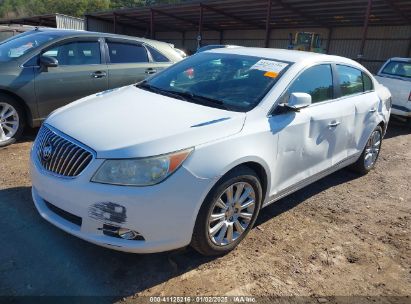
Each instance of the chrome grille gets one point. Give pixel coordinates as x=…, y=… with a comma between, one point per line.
x=60, y=155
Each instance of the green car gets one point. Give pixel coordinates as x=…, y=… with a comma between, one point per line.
x=45, y=69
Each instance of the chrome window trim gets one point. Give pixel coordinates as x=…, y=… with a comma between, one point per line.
x=269, y=114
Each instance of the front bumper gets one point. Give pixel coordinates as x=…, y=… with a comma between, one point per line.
x=163, y=214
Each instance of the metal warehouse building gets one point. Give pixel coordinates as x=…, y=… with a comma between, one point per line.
x=370, y=30
x=50, y=20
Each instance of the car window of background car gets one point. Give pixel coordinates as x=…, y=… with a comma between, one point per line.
x=156, y=55
x=316, y=81
x=127, y=53
x=398, y=68
x=20, y=45
x=230, y=79
x=351, y=80
x=76, y=53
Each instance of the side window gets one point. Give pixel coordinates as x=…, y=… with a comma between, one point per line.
x=368, y=85
x=157, y=56
x=316, y=81
x=351, y=80
x=76, y=53
x=127, y=53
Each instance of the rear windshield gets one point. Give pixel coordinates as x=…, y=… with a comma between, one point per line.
x=398, y=68
x=22, y=44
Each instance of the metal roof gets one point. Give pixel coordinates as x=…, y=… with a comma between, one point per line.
x=49, y=20
x=252, y=14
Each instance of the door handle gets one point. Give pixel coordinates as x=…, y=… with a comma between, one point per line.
x=150, y=71
x=98, y=74
x=373, y=110
x=333, y=124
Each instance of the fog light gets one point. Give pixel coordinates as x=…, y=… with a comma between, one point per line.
x=128, y=234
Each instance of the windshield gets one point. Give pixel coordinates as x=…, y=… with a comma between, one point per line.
x=21, y=44
x=228, y=81
x=398, y=68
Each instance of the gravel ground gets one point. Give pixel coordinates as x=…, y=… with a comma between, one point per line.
x=344, y=235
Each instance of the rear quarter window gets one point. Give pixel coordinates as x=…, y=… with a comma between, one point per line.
x=368, y=85
x=156, y=55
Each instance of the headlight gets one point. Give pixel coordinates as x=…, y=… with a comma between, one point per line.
x=140, y=171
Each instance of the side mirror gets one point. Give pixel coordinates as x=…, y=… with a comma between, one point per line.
x=48, y=62
x=298, y=101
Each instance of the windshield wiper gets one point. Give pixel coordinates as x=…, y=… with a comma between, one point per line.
x=202, y=99
x=146, y=86
x=186, y=96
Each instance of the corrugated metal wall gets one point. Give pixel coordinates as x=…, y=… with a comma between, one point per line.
x=382, y=42
x=97, y=25
x=68, y=22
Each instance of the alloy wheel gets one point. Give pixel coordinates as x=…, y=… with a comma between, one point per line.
x=372, y=149
x=231, y=214
x=9, y=121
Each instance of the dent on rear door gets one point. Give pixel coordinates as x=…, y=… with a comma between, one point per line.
x=367, y=107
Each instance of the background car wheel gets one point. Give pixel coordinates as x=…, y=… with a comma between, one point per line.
x=370, y=154
x=228, y=213
x=11, y=120
x=408, y=122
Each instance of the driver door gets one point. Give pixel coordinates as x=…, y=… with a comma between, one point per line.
x=81, y=72
x=314, y=139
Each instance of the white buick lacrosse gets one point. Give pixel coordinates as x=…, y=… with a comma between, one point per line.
x=191, y=155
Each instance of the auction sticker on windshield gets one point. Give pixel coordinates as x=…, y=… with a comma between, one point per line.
x=273, y=68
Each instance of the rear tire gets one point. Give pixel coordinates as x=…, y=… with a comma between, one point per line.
x=408, y=122
x=370, y=154
x=228, y=213
x=11, y=120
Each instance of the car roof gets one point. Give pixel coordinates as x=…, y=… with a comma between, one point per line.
x=284, y=55
x=403, y=59
x=76, y=33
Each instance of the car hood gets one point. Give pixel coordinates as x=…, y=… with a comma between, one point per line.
x=131, y=122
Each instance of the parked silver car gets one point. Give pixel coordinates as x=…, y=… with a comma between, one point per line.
x=45, y=69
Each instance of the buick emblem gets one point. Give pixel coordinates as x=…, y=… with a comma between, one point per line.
x=47, y=152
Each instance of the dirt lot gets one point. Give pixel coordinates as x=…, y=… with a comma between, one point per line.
x=344, y=235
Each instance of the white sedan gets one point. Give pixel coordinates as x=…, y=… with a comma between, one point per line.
x=395, y=74
x=191, y=155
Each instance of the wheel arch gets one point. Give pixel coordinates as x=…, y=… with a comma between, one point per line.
x=258, y=166
x=28, y=116
x=383, y=126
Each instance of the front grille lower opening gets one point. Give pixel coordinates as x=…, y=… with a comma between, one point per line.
x=64, y=214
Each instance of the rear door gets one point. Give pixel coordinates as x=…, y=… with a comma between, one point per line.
x=356, y=88
x=129, y=62
x=81, y=72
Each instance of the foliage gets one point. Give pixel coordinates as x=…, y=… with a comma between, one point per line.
x=22, y=8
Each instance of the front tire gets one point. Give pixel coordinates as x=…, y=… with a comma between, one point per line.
x=228, y=213
x=11, y=120
x=370, y=154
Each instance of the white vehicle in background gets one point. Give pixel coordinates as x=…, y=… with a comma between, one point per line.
x=193, y=153
x=395, y=74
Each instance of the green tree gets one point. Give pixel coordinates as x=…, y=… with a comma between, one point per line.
x=21, y=8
